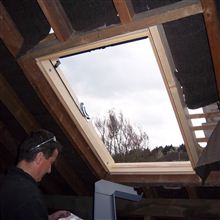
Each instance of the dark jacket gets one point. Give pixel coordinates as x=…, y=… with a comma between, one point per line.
x=20, y=198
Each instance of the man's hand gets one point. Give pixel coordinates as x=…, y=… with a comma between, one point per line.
x=59, y=214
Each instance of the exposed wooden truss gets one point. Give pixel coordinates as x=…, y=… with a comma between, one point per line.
x=125, y=10
x=213, y=31
x=142, y=21
x=57, y=18
x=64, y=32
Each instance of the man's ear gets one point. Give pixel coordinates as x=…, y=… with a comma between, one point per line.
x=39, y=157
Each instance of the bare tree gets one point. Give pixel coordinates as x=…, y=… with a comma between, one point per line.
x=119, y=136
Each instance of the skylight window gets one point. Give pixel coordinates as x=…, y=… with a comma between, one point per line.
x=93, y=83
x=127, y=79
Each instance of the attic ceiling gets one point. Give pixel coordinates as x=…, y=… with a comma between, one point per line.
x=28, y=102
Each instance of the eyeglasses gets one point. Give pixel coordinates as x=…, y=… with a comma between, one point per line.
x=39, y=145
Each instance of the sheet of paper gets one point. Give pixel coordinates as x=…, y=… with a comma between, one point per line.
x=71, y=217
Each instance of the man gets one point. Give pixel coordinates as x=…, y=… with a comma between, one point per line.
x=20, y=198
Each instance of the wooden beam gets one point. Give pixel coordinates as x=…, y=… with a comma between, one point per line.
x=200, y=140
x=9, y=33
x=156, y=180
x=125, y=10
x=186, y=208
x=10, y=99
x=60, y=114
x=204, y=127
x=142, y=21
x=204, y=115
x=213, y=30
x=55, y=14
x=202, y=209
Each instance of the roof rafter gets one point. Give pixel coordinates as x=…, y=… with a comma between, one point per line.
x=57, y=18
x=9, y=33
x=213, y=30
x=141, y=21
x=125, y=10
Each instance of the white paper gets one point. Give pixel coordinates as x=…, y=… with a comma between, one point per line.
x=71, y=217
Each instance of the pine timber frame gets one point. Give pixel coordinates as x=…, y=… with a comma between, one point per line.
x=77, y=128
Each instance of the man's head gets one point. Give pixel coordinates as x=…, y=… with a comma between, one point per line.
x=37, y=153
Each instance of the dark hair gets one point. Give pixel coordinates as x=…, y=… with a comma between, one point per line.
x=38, y=141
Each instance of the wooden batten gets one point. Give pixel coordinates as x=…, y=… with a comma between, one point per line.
x=125, y=10
x=202, y=140
x=140, y=23
x=54, y=12
x=204, y=127
x=204, y=115
x=169, y=13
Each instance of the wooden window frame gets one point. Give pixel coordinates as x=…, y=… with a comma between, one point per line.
x=164, y=59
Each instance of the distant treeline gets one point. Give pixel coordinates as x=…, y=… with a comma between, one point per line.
x=158, y=154
x=127, y=143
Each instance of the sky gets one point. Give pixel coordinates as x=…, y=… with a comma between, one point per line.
x=125, y=78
